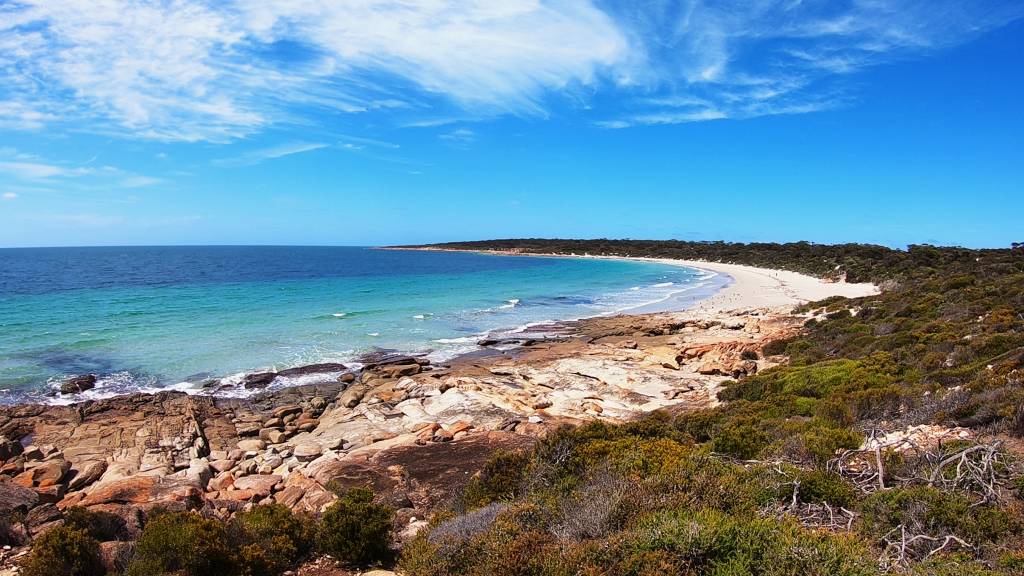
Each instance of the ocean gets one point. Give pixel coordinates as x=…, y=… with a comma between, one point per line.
x=149, y=318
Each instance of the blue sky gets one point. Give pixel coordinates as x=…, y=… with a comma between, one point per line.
x=373, y=122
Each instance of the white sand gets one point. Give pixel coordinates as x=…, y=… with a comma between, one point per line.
x=764, y=288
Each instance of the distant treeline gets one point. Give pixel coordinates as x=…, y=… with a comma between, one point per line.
x=860, y=262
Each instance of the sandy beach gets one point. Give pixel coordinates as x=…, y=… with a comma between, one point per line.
x=765, y=288
x=750, y=287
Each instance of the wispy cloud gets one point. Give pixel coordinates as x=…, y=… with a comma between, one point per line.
x=10, y=196
x=263, y=154
x=460, y=137
x=359, y=141
x=34, y=171
x=192, y=70
x=713, y=60
x=38, y=170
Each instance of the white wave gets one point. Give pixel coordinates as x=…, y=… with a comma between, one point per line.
x=635, y=288
x=419, y=316
x=509, y=304
x=663, y=285
x=339, y=314
x=463, y=340
x=374, y=334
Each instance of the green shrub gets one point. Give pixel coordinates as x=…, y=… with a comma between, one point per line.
x=744, y=441
x=355, y=530
x=936, y=512
x=103, y=526
x=64, y=551
x=270, y=539
x=500, y=479
x=183, y=543
x=821, y=444
x=712, y=542
x=817, y=486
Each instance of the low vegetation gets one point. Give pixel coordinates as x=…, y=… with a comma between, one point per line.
x=783, y=477
x=265, y=540
x=787, y=476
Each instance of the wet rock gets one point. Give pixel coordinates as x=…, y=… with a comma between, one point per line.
x=78, y=384
x=313, y=369
x=258, y=380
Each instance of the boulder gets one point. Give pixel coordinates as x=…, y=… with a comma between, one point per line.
x=251, y=445
x=42, y=515
x=313, y=369
x=222, y=465
x=78, y=384
x=50, y=472
x=259, y=484
x=303, y=494
x=143, y=490
x=15, y=498
x=9, y=448
x=307, y=451
x=86, y=474
x=285, y=411
x=399, y=370
x=259, y=379
x=352, y=396
x=272, y=435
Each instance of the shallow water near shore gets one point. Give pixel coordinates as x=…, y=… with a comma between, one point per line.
x=146, y=318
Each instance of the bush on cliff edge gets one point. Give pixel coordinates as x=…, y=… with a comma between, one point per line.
x=64, y=551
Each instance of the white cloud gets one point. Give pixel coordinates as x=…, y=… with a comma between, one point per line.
x=39, y=170
x=196, y=70
x=9, y=196
x=192, y=70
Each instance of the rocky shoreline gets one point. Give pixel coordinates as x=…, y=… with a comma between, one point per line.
x=413, y=431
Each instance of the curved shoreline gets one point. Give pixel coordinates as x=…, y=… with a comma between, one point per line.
x=740, y=288
x=751, y=287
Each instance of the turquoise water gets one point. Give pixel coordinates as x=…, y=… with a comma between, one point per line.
x=148, y=318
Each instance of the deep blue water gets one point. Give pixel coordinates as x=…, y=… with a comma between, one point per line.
x=152, y=317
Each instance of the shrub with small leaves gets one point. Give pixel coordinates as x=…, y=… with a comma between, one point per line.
x=183, y=543
x=64, y=551
x=355, y=530
x=270, y=539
